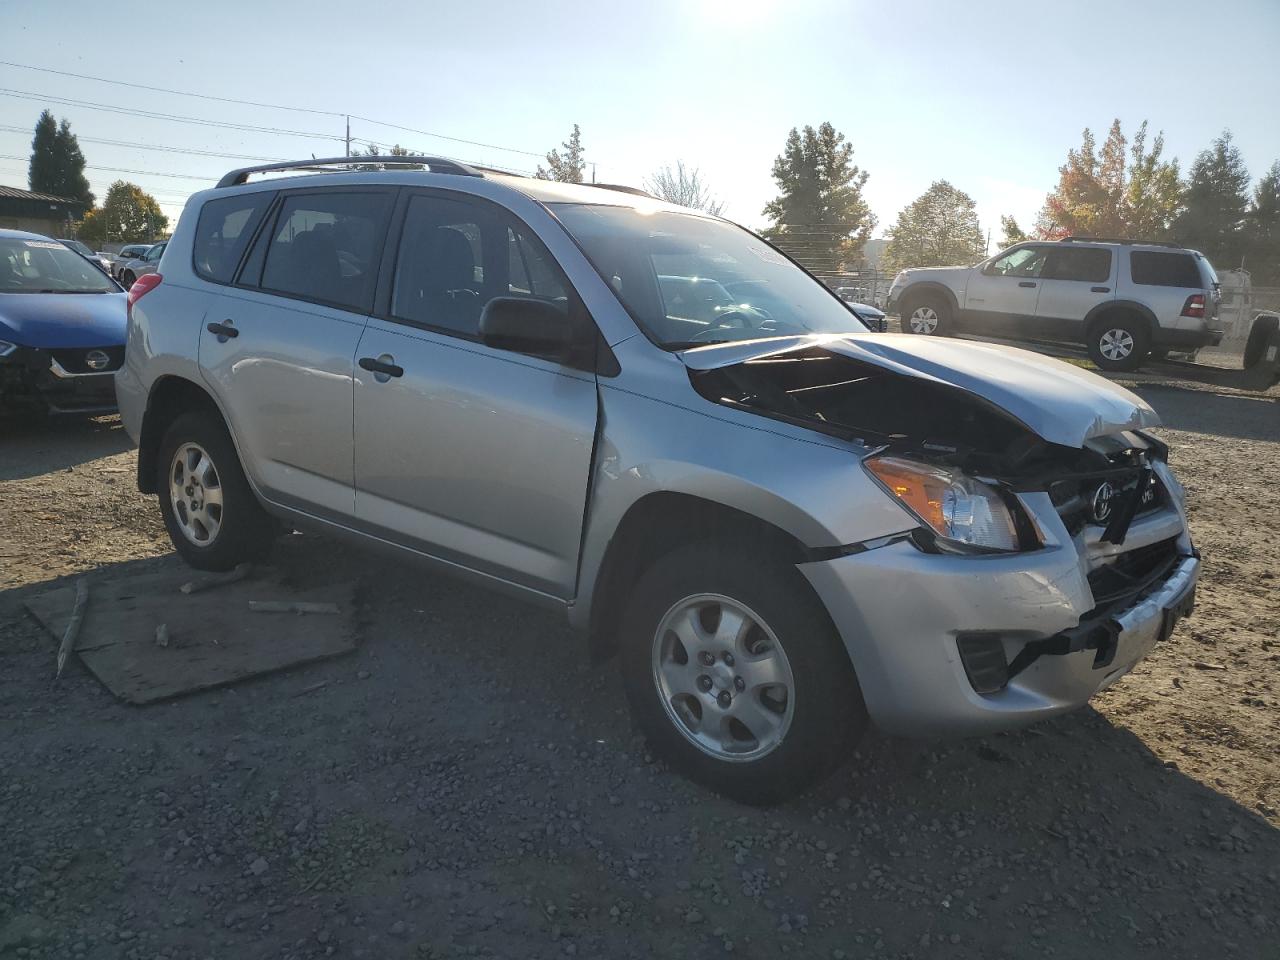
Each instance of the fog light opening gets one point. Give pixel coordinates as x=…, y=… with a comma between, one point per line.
x=984, y=661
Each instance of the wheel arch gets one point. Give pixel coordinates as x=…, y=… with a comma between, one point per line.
x=913, y=294
x=1132, y=307
x=170, y=397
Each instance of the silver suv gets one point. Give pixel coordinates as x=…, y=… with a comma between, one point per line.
x=784, y=525
x=1123, y=299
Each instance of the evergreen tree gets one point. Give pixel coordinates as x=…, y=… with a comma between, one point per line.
x=569, y=166
x=819, y=216
x=1262, y=229
x=1215, y=204
x=939, y=228
x=57, y=164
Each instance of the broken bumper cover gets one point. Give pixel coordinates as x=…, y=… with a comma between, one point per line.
x=901, y=612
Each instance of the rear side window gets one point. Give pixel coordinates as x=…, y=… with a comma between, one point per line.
x=1090, y=264
x=1165, y=269
x=223, y=231
x=325, y=246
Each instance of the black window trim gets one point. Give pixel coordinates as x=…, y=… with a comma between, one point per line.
x=266, y=215
x=272, y=216
x=391, y=254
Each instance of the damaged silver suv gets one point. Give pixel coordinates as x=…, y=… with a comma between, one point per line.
x=785, y=526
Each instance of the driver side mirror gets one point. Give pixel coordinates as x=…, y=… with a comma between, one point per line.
x=527, y=325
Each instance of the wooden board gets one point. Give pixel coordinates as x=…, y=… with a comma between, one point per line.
x=213, y=638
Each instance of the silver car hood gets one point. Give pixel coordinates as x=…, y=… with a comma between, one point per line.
x=1062, y=403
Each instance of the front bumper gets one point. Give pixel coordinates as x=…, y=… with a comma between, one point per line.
x=901, y=612
x=59, y=380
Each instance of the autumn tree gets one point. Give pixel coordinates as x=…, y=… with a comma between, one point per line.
x=819, y=216
x=568, y=167
x=1262, y=229
x=1153, y=195
x=128, y=215
x=939, y=228
x=1011, y=233
x=685, y=187
x=57, y=164
x=1215, y=203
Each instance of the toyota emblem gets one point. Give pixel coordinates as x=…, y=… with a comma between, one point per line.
x=97, y=360
x=1102, y=498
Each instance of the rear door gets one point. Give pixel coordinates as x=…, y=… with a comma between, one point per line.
x=1074, y=281
x=1001, y=296
x=278, y=347
x=475, y=455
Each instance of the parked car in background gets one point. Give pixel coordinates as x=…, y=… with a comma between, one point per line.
x=97, y=259
x=130, y=251
x=874, y=319
x=62, y=327
x=1124, y=300
x=650, y=420
x=149, y=262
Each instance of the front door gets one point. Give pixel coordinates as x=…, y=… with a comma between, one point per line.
x=1001, y=297
x=279, y=349
x=474, y=455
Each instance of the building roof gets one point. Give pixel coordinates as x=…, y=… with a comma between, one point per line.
x=14, y=193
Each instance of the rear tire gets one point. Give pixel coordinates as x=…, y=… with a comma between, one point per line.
x=929, y=315
x=1259, y=333
x=1118, y=342
x=774, y=717
x=213, y=517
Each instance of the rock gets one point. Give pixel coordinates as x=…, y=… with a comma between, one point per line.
x=258, y=867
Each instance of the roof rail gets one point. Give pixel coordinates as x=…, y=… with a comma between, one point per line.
x=634, y=191
x=1125, y=240
x=434, y=164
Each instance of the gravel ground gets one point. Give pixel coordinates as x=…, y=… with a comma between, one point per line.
x=468, y=784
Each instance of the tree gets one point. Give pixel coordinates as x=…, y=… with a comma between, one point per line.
x=685, y=187
x=1153, y=196
x=938, y=228
x=569, y=167
x=373, y=151
x=1012, y=233
x=1262, y=229
x=1215, y=204
x=128, y=215
x=1083, y=204
x=819, y=216
x=57, y=165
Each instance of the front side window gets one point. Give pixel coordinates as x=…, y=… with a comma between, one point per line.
x=223, y=231
x=1150, y=268
x=1023, y=262
x=690, y=280
x=1089, y=264
x=455, y=256
x=325, y=246
x=46, y=266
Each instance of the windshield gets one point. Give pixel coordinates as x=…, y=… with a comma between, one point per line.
x=689, y=280
x=78, y=247
x=46, y=266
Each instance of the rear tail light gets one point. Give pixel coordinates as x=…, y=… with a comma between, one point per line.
x=142, y=286
x=1194, y=307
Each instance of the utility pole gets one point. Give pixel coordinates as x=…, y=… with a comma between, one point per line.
x=593, y=173
x=348, y=153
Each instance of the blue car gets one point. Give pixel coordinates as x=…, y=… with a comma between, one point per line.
x=62, y=328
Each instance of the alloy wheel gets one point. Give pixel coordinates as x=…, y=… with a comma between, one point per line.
x=923, y=319
x=723, y=677
x=195, y=492
x=1116, y=344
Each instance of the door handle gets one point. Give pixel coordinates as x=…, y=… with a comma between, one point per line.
x=381, y=367
x=223, y=330
x=1026, y=283
x=1099, y=289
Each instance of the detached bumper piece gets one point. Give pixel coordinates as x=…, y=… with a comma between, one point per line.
x=1143, y=615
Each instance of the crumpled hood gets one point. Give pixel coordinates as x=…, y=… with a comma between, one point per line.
x=1062, y=403
x=57, y=320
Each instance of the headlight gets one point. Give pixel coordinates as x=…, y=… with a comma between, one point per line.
x=959, y=509
x=7, y=348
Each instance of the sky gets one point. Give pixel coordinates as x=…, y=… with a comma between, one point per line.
x=987, y=96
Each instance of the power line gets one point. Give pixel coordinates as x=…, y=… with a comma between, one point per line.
x=441, y=136
x=153, y=146
x=141, y=173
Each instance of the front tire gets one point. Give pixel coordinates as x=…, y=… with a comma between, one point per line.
x=212, y=515
x=735, y=673
x=927, y=316
x=1118, y=343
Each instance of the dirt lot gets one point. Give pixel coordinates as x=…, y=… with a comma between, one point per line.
x=467, y=784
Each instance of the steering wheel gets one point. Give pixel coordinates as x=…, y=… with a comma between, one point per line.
x=721, y=323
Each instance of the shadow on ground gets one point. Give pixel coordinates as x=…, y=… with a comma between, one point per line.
x=468, y=783
x=33, y=445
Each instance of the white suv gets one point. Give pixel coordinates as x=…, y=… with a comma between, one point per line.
x=652, y=421
x=1123, y=299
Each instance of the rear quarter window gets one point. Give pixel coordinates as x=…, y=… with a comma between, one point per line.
x=223, y=231
x=1165, y=269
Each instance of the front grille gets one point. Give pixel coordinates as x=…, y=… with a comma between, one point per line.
x=76, y=361
x=1133, y=572
x=1076, y=499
